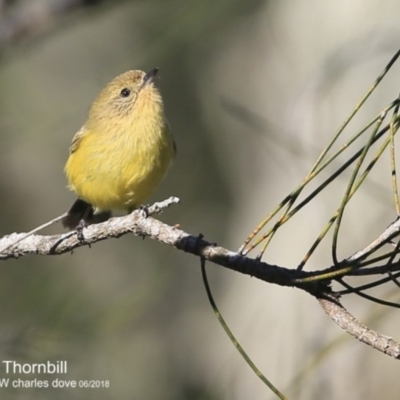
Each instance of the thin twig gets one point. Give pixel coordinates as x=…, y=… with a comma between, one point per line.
x=391, y=231
x=349, y=323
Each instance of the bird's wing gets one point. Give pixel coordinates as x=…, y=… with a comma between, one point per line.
x=77, y=139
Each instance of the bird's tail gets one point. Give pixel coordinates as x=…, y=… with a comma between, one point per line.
x=81, y=210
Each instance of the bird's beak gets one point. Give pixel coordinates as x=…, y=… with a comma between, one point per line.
x=148, y=78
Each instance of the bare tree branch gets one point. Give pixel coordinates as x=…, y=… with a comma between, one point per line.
x=351, y=325
x=142, y=225
x=16, y=245
x=391, y=231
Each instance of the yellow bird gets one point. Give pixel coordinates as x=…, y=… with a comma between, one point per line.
x=122, y=152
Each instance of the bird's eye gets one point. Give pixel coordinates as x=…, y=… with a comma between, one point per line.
x=125, y=92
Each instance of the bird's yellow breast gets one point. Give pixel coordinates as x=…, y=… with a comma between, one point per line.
x=118, y=166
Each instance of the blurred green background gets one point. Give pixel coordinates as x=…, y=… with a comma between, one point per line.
x=253, y=90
